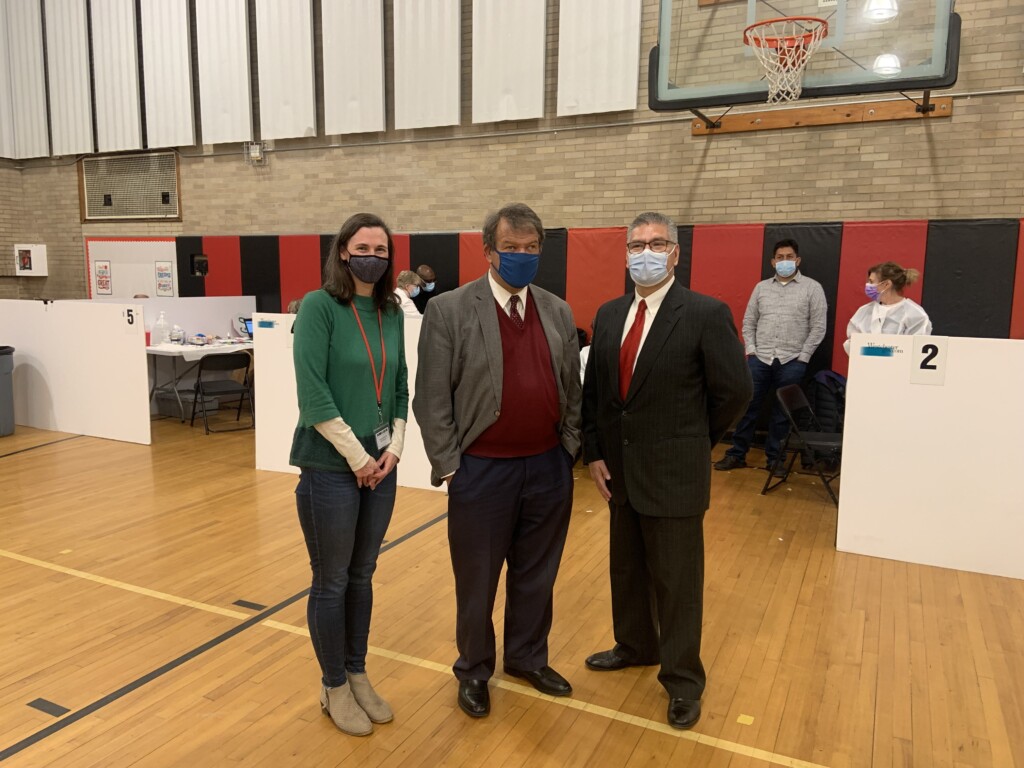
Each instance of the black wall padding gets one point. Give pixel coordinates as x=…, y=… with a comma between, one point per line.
x=439, y=250
x=820, y=248
x=968, y=277
x=188, y=285
x=325, y=251
x=553, y=256
x=261, y=270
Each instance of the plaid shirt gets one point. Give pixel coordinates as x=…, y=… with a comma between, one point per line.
x=785, y=321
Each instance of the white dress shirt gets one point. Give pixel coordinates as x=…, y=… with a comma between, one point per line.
x=503, y=297
x=653, y=305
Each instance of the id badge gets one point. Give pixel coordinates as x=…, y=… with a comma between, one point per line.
x=382, y=435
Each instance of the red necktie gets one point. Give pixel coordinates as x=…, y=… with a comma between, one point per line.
x=513, y=312
x=629, y=349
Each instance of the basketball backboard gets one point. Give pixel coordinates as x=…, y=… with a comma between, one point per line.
x=873, y=46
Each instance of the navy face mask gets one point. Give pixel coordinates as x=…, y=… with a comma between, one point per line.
x=518, y=269
x=369, y=269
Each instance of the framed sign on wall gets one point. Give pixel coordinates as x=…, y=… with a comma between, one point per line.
x=30, y=260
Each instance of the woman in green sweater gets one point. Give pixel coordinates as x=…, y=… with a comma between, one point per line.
x=353, y=402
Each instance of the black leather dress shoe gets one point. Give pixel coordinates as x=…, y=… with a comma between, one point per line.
x=683, y=713
x=474, y=699
x=609, y=661
x=545, y=680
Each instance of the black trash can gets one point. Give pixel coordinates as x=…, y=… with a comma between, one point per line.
x=6, y=391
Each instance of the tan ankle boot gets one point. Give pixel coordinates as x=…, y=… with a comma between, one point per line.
x=340, y=706
x=373, y=705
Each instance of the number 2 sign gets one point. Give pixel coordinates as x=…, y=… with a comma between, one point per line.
x=928, y=360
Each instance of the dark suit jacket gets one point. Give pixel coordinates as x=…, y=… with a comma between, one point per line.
x=690, y=383
x=460, y=370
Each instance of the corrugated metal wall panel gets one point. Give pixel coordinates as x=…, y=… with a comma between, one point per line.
x=116, y=75
x=284, y=35
x=508, y=60
x=225, y=100
x=353, y=85
x=427, y=65
x=24, y=49
x=6, y=113
x=598, y=56
x=167, y=68
x=67, y=59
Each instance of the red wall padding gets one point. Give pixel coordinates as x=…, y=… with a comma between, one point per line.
x=225, y=263
x=595, y=271
x=401, y=254
x=472, y=263
x=1017, y=312
x=866, y=243
x=299, y=266
x=727, y=264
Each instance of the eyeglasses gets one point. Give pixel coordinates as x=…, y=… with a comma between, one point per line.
x=658, y=246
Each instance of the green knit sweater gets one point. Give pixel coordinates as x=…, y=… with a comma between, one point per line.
x=333, y=376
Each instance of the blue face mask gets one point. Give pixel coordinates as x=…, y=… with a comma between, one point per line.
x=414, y=292
x=648, y=268
x=518, y=269
x=429, y=287
x=785, y=268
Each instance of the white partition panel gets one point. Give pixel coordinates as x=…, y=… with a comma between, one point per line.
x=24, y=49
x=115, y=69
x=167, y=67
x=284, y=32
x=79, y=367
x=222, y=43
x=277, y=409
x=930, y=452
x=508, y=60
x=427, y=66
x=67, y=66
x=598, y=55
x=353, y=85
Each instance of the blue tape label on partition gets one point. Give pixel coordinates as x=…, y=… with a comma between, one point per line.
x=267, y=324
x=878, y=351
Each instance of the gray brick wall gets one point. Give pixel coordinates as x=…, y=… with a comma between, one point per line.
x=589, y=171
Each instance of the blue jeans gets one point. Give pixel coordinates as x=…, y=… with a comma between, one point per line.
x=344, y=526
x=767, y=378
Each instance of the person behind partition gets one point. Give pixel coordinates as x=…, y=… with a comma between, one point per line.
x=499, y=411
x=409, y=286
x=888, y=310
x=353, y=394
x=429, y=290
x=784, y=323
x=665, y=378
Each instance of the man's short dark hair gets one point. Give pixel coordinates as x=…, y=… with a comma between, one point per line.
x=787, y=243
x=519, y=216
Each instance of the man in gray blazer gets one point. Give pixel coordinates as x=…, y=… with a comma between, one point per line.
x=498, y=403
x=665, y=379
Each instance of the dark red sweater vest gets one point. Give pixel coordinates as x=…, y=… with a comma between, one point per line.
x=528, y=424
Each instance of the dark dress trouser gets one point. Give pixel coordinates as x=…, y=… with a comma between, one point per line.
x=657, y=575
x=515, y=511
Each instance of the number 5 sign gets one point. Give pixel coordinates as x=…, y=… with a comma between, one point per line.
x=928, y=360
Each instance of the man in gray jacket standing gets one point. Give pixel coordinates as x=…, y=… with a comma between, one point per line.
x=498, y=403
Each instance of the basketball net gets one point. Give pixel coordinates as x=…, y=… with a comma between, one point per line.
x=784, y=46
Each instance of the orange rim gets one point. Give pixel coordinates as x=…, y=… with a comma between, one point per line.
x=785, y=41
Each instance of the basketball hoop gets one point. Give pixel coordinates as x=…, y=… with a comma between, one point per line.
x=784, y=46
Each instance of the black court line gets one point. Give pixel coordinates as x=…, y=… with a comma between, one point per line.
x=149, y=677
x=41, y=445
x=48, y=707
x=249, y=605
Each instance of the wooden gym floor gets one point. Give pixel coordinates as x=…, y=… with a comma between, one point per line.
x=153, y=606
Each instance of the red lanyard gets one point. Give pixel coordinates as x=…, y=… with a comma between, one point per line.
x=377, y=385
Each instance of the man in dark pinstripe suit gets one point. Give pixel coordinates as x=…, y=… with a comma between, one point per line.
x=665, y=379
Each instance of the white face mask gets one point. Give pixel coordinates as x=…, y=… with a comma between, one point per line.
x=648, y=268
x=785, y=268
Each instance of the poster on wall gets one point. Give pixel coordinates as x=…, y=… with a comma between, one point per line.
x=103, y=283
x=164, y=278
x=30, y=260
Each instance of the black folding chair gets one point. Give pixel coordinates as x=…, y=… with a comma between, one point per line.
x=822, y=450
x=205, y=387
